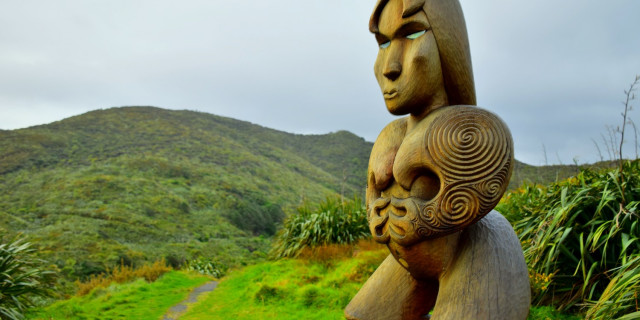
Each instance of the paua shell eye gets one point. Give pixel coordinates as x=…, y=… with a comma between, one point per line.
x=415, y=35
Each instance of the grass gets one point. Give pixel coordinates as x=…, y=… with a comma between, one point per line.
x=289, y=289
x=581, y=240
x=549, y=313
x=317, y=286
x=135, y=300
x=122, y=274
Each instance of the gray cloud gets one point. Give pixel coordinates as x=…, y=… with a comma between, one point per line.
x=554, y=71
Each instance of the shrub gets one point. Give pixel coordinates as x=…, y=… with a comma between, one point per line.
x=583, y=238
x=253, y=213
x=309, y=296
x=330, y=222
x=122, y=274
x=21, y=278
x=207, y=267
x=267, y=294
x=152, y=272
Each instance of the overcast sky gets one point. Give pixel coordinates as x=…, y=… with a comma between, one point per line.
x=555, y=71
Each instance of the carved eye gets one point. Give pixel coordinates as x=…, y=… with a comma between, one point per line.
x=426, y=186
x=385, y=45
x=415, y=35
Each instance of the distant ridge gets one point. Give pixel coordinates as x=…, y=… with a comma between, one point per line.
x=131, y=184
x=140, y=183
x=106, y=134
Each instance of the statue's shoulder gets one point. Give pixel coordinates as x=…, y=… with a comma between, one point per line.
x=393, y=133
x=384, y=152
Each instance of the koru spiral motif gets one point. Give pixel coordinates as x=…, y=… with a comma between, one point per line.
x=471, y=151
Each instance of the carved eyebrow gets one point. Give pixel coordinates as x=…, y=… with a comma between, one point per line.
x=415, y=23
x=407, y=28
x=381, y=38
x=411, y=27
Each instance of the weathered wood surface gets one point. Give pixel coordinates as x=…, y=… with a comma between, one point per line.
x=484, y=280
x=434, y=177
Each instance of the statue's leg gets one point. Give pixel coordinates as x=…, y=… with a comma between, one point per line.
x=391, y=293
x=488, y=279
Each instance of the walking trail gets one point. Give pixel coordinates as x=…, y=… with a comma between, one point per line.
x=176, y=311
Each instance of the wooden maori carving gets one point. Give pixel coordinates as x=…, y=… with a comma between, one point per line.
x=434, y=178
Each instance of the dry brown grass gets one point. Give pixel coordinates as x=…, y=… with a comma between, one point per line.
x=327, y=252
x=367, y=245
x=122, y=274
x=339, y=251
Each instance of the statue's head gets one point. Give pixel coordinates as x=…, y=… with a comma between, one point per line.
x=424, y=60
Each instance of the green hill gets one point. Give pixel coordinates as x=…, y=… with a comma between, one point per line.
x=140, y=183
x=133, y=184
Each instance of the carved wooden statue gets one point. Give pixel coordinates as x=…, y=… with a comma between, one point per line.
x=434, y=178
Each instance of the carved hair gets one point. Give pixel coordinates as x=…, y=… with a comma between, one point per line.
x=450, y=31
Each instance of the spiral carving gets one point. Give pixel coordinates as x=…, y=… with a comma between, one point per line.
x=458, y=206
x=471, y=150
x=491, y=190
x=468, y=143
x=430, y=224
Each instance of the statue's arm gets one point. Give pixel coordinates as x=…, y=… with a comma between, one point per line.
x=391, y=293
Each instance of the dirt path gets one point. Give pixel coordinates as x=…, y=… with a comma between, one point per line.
x=176, y=311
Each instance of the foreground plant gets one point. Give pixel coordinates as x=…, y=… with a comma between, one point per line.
x=330, y=222
x=21, y=278
x=583, y=233
x=620, y=295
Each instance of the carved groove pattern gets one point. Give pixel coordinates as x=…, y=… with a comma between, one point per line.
x=458, y=205
x=468, y=145
x=472, y=149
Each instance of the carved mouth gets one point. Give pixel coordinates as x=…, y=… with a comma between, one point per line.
x=398, y=230
x=390, y=94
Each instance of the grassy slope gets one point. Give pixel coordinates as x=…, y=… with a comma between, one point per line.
x=288, y=289
x=284, y=289
x=302, y=289
x=138, y=184
x=141, y=183
x=236, y=146
x=137, y=300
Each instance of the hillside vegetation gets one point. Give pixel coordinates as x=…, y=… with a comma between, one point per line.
x=135, y=184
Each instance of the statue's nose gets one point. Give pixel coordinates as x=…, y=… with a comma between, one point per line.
x=392, y=70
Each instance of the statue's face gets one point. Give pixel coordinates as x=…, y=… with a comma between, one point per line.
x=408, y=66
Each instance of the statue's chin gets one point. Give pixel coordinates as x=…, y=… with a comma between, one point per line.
x=395, y=108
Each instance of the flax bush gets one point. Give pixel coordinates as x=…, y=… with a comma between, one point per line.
x=22, y=278
x=584, y=236
x=330, y=222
